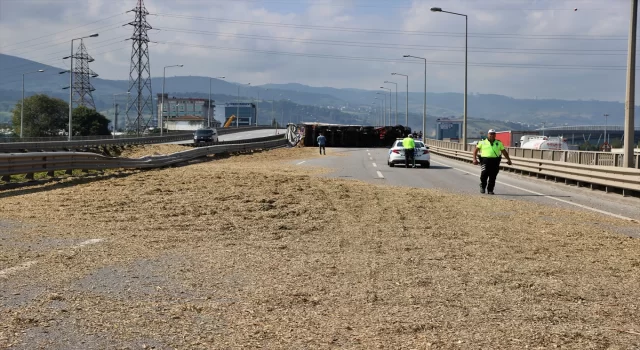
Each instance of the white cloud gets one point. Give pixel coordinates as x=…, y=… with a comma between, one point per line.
x=20, y=20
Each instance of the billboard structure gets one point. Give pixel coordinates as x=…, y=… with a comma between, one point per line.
x=448, y=129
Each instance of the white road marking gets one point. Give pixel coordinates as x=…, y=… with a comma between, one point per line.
x=301, y=162
x=380, y=174
x=25, y=265
x=88, y=242
x=6, y=272
x=370, y=158
x=550, y=197
x=369, y=154
x=374, y=165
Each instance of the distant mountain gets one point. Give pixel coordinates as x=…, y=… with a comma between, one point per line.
x=331, y=101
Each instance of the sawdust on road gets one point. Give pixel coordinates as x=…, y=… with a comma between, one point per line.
x=255, y=252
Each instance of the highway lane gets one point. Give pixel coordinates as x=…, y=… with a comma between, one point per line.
x=459, y=177
x=237, y=136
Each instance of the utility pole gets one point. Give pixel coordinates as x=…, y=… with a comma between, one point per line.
x=605, y=127
x=140, y=68
x=629, y=108
x=396, y=84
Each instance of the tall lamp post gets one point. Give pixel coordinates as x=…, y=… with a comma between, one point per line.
x=209, y=108
x=406, y=121
x=22, y=103
x=466, y=31
x=382, y=87
x=238, y=106
x=396, y=84
x=605, y=127
x=630, y=105
x=115, y=112
x=424, y=106
x=70, y=57
x=164, y=73
x=384, y=112
x=376, y=112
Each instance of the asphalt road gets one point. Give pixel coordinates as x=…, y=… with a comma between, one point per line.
x=371, y=165
x=237, y=136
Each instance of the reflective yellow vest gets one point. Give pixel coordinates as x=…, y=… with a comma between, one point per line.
x=489, y=151
x=408, y=142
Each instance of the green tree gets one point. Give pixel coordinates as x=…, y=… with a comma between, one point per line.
x=43, y=116
x=88, y=122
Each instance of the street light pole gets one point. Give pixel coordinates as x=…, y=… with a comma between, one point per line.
x=115, y=112
x=164, y=73
x=22, y=103
x=396, y=84
x=631, y=89
x=382, y=87
x=466, y=36
x=238, y=106
x=424, y=106
x=384, y=112
x=605, y=127
x=406, y=121
x=70, y=57
x=209, y=107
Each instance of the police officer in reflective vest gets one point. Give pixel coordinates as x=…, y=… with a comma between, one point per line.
x=491, y=151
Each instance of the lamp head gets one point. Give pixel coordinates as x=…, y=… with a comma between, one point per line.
x=40, y=70
x=181, y=65
x=93, y=35
x=406, y=56
x=436, y=9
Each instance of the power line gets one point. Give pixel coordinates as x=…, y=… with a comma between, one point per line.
x=57, y=43
x=99, y=53
x=403, y=46
x=55, y=56
x=401, y=32
x=63, y=31
x=394, y=60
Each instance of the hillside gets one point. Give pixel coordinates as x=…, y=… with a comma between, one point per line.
x=357, y=102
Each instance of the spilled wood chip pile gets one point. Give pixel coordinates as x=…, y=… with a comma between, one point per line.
x=255, y=252
x=152, y=150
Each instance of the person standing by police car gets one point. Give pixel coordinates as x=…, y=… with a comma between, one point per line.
x=491, y=152
x=409, y=146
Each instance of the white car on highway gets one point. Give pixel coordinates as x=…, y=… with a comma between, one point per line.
x=396, y=154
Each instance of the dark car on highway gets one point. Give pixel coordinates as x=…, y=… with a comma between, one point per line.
x=205, y=135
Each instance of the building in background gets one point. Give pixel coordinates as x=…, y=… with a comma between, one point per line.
x=183, y=113
x=448, y=129
x=246, y=113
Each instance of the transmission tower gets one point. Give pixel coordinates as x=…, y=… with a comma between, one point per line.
x=140, y=73
x=82, y=75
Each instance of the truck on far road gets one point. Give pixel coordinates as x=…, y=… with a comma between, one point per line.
x=512, y=138
x=543, y=142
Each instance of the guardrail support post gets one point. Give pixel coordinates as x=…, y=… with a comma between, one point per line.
x=29, y=176
x=50, y=173
x=69, y=172
x=5, y=178
x=596, y=159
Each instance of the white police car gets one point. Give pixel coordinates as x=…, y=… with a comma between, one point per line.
x=396, y=154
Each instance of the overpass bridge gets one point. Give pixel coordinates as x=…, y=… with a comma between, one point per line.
x=579, y=134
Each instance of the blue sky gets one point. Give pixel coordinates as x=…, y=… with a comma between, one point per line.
x=518, y=48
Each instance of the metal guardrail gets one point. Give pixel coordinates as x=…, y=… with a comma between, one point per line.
x=533, y=163
x=13, y=147
x=30, y=163
x=574, y=157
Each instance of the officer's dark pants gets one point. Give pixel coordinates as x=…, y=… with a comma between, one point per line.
x=490, y=168
x=322, y=149
x=408, y=155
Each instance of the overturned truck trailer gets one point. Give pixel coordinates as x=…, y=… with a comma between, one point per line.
x=353, y=135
